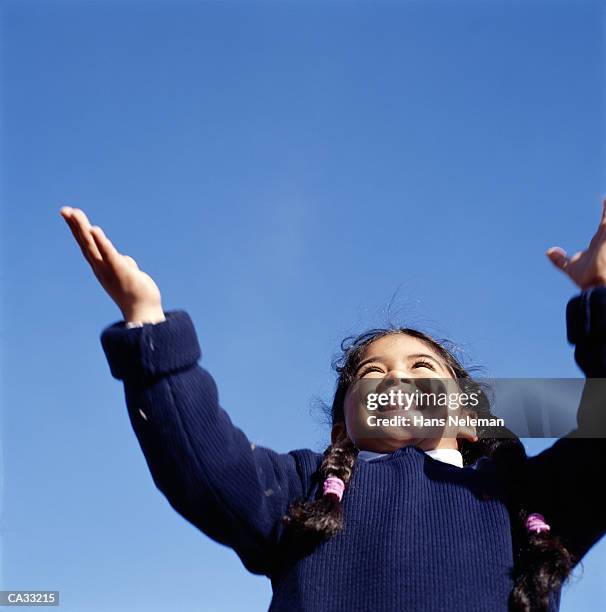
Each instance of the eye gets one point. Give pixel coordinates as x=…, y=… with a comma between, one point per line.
x=368, y=369
x=424, y=364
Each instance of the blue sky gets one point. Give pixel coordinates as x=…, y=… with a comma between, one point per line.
x=281, y=169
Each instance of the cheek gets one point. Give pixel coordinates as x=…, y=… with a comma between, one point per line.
x=350, y=408
x=355, y=414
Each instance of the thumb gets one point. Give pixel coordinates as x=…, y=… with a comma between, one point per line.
x=131, y=262
x=558, y=257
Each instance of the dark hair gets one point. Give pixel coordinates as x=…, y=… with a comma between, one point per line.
x=541, y=562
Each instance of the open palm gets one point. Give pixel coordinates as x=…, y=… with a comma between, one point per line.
x=134, y=291
x=585, y=268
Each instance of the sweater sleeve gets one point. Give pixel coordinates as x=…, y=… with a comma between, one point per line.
x=566, y=480
x=234, y=491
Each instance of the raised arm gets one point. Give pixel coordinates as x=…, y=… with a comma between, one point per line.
x=234, y=491
x=209, y=471
x=566, y=481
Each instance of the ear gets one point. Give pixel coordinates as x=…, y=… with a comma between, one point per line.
x=468, y=432
x=338, y=432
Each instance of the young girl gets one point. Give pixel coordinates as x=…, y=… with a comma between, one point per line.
x=388, y=521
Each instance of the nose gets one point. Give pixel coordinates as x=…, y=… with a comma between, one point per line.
x=398, y=379
x=395, y=375
x=393, y=382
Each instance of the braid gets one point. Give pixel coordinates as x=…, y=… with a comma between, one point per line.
x=323, y=517
x=543, y=563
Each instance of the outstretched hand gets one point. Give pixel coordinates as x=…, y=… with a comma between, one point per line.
x=134, y=291
x=586, y=268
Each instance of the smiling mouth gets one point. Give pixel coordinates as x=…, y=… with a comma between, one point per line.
x=397, y=409
x=401, y=394
x=408, y=406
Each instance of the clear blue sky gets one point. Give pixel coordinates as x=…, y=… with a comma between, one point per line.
x=280, y=169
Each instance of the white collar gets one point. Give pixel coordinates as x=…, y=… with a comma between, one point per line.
x=447, y=455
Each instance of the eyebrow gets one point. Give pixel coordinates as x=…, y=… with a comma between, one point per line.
x=412, y=356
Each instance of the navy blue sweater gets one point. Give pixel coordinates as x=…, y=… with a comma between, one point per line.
x=419, y=534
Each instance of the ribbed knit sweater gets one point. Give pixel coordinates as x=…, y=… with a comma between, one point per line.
x=419, y=534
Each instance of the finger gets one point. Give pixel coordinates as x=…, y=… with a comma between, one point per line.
x=67, y=214
x=87, y=244
x=131, y=262
x=65, y=211
x=603, y=217
x=558, y=257
x=106, y=248
x=73, y=226
x=77, y=225
x=83, y=225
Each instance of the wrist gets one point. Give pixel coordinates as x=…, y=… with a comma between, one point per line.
x=144, y=314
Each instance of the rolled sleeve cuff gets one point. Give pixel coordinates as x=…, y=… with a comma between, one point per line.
x=152, y=349
x=586, y=315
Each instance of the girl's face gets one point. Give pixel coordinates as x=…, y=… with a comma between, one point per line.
x=382, y=365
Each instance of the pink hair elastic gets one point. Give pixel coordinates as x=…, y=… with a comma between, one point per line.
x=536, y=523
x=335, y=486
